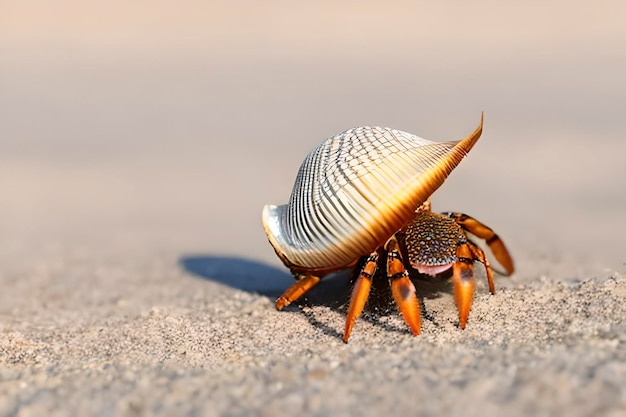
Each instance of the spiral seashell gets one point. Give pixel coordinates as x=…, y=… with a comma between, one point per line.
x=354, y=191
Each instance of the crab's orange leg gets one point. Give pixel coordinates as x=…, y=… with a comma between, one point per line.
x=360, y=293
x=463, y=279
x=402, y=288
x=484, y=232
x=297, y=290
x=480, y=256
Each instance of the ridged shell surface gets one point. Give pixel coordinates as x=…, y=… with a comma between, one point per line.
x=354, y=191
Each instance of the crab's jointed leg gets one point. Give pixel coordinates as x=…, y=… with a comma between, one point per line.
x=360, y=293
x=297, y=290
x=402, y=288
x=485, y=232
x=479, y=255
x=463, y=279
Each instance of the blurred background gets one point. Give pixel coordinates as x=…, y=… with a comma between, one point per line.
x=167, y=125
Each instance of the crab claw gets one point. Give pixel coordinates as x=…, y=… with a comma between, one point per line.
x=403, y=292
x=360, y=293
x=296, y=291
x=496, y=245
x=463, y=279
x=402, y=288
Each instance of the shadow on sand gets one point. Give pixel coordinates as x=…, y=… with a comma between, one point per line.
x=256, y=277
x=333, y=291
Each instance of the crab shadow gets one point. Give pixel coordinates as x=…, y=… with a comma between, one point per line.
x=259, y=278
x=332, y=292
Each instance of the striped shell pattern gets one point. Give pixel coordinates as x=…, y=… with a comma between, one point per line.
x=354, y=191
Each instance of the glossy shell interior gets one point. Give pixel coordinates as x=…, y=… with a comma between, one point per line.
x=354, y=191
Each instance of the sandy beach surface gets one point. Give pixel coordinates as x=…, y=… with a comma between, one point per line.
x=139, y=142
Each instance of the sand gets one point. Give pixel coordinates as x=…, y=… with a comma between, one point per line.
x=157, y=335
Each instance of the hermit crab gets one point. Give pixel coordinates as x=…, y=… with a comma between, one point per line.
x=364, y=193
